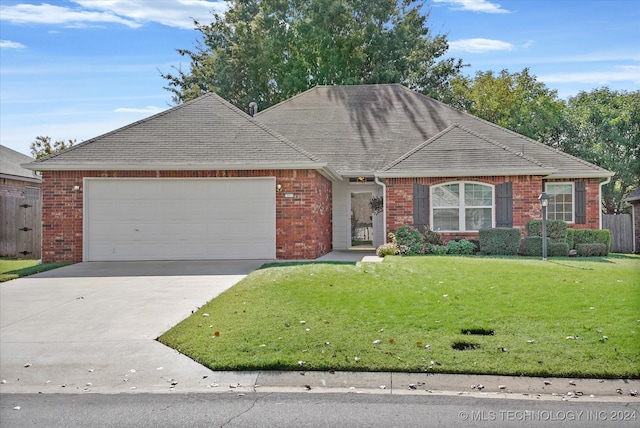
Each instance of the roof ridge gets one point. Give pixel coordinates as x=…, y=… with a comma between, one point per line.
x=469, y=131
x=418, y=148
x=298, y=95
x=122, y=128
x=270, y=131
x=528, y=139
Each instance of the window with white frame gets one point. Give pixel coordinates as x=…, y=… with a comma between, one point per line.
x=461, y=207
x=560, y=202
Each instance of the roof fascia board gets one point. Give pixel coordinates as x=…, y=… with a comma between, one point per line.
x=599, y=174
x=21, y=178
x=322, y=168
x=464, y=173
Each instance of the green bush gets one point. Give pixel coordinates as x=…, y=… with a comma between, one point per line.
x=500, y=241
x=388, y=249
x=409, y=240
x=595, y=249
x=592, y=236
x=570, y=238
x=461, y=247
x=556, y=229
x=438, y=250
x=533, y=247
x=431, y=237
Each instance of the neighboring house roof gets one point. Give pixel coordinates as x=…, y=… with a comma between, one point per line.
x=383, y=130
x=10, y=166
x=633, y=196
x=362, y=129
x=207, y=132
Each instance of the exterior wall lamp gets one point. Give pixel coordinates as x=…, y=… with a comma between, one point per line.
x=279, y=188
x=544, y=202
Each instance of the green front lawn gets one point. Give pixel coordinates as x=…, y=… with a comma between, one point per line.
x=14, y=268
x=508, y=316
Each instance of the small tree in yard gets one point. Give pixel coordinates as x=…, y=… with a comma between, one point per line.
x=42, y=146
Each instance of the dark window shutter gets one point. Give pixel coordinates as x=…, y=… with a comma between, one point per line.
x=504, y=205
x=581, y=202
x=420, y=206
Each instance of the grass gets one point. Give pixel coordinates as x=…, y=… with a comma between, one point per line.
x=507, y=316
x=14, y=268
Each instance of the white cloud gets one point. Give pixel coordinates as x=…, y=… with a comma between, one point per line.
x=474, y=5
x=147, y=110
x=172, y=13
x=8, y=44
x=49, y=14
x=479, y=45
x=131, y=13
x=602, y=77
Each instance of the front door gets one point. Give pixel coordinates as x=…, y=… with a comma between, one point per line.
x=361, y=220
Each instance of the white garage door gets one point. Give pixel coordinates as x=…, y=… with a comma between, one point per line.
x=179, y=219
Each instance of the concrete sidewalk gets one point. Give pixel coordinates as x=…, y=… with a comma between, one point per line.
x=91, y=328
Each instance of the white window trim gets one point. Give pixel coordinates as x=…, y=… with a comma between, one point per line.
x=573, y=196
x=461, y=207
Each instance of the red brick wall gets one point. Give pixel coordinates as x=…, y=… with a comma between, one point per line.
x=303, y=223
x=14, y=188
x=526, y=205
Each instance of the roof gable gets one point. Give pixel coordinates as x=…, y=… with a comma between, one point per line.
x=207, y=131
x=459, y=151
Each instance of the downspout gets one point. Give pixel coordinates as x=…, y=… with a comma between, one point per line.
x=607, y=181
x=384, y=207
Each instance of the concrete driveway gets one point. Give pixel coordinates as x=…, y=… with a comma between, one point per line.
x=91, y=327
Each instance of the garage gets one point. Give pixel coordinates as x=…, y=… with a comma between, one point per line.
x=179, y=219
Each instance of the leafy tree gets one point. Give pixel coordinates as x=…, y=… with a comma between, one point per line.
x=516, y=101
x=43, y=146
x=605, y=130
x=269, y=50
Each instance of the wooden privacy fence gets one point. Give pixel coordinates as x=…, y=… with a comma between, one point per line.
x=20, y=228
x=621, y=227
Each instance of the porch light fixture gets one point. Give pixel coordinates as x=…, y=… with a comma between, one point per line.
x=279, y=188
x=544, y=202
x=76, y=188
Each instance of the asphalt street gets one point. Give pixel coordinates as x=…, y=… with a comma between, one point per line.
x=304, y=410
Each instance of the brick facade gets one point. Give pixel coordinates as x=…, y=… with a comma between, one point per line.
x=526, y=205
x=303, y=223
x=15, y=188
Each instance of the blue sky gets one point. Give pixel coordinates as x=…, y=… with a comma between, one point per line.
x=75, y=69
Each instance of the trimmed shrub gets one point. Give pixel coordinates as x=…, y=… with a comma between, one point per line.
x=596, y=249
x=556, y=229
x=592, y=236
x=461, y=247
x=409, y=240
x=438, y=250
x=533, y=247
x=500, y=241
x=570, y=240
x=388, y=249
x=431, y=237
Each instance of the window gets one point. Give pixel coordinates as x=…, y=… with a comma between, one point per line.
x=462, y=207
x=561, y=202
x=32, y=193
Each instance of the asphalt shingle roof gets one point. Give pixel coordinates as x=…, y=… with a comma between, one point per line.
x=365, y=128
x=354, y=130
x=205, y=131
x=10, y=162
